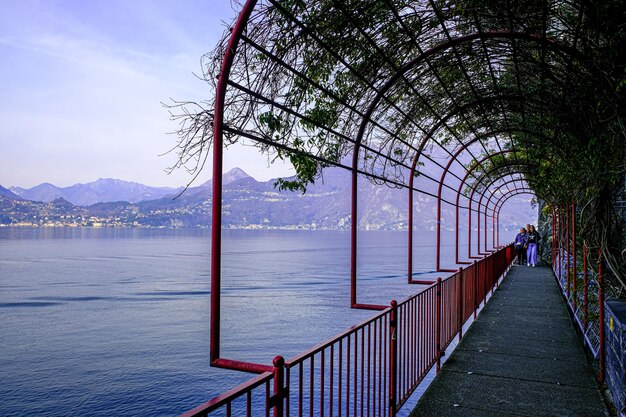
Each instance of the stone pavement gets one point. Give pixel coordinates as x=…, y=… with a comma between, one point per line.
x=521, y=357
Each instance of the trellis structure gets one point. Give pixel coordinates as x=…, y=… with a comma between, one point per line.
x=432, y=97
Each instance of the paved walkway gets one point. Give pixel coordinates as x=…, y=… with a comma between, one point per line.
x=521, y=357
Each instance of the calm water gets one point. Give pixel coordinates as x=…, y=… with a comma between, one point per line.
x=107, y=322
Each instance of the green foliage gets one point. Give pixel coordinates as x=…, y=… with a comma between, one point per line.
x=328, y=60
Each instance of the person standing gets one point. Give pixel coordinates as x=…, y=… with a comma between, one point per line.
x=525, y=251
x=532, y=241
x=520, y=241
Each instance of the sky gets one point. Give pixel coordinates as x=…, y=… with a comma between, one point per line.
x=82, y=84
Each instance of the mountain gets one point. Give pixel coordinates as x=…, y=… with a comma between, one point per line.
x=102, y=190
x=8, y=194
x=248, y=203
x=43, y=192
x=234, y=174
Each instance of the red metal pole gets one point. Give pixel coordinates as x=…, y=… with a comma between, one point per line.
x=493, y=230
x=410, y=240
x=438, y=237
x=460, y=298
x=469, y=229
x=498, y=234
x=476, y=303
x=393, y=357
x=478, y=230
x=560, y=241
x=486, y=229
x=585, y=287
x=575, y=266
x=438, y=320
x=277, y=400
x=601, y=358
x=216, y=221
x=553, y=240
x=568, y=249
x=353, y=236
x=456, y=233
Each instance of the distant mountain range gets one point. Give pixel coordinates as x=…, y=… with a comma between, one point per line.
x=247, y=203
x=101, y=190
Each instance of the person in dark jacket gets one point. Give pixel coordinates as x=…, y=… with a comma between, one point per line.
x=532, y=241
x=520, y=241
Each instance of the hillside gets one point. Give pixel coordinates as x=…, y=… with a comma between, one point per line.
x=247, y=203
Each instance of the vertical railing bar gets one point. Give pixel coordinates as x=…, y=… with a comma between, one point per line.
x=267, y=399
x=601, y=353
x=248, y=403
x=369, y=369
x=312, y=386
x=385, y=361
x=380, y=365
x=331, y=395
x=401, y=369
x=339, y=377
x=460, y=301
x=375, y=363
x=348, y=376
x=393, y=359
x=288, y=389
x=475, y=271
x=413, y=339
x=585, y=288
x=575, y=271
x=438, y=324
x=300, y=388
x=322, y=385
x=362, y=368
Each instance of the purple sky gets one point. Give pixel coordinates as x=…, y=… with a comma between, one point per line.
x=82, y=82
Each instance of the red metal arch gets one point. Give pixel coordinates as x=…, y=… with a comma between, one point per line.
x=493, y=211
x=443, y=175
x=370, y=110
x=458, y=196
x=218, y=129
x=487, y=187
x=499, y=206
x=471, y=198
x=493, y=180
x=216, y=210
x=491, y=196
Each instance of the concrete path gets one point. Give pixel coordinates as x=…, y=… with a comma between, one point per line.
x=521, y=357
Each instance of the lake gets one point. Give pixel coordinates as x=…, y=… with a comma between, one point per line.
x=107, y=322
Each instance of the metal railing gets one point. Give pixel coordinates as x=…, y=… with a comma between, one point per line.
x=372, y=368
x=582, y=285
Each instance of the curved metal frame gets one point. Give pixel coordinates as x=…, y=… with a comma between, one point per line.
x=493, y=216
x=218, y=129
x=443, y=175
x=471, y=198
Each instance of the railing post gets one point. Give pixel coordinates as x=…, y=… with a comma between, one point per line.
x=585, y=288
x=475, y=271
x=553, y=239
x=277, y=400
x=601, y=356
x=460, y=298
x=560, y=247
x=575, y=267
x=438, y=320
x=393, y=354
x=567, y=248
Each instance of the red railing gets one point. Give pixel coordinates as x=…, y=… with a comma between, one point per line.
x=372, y=368
x=581, y=285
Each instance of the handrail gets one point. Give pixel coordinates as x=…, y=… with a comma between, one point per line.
x=376, y=365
